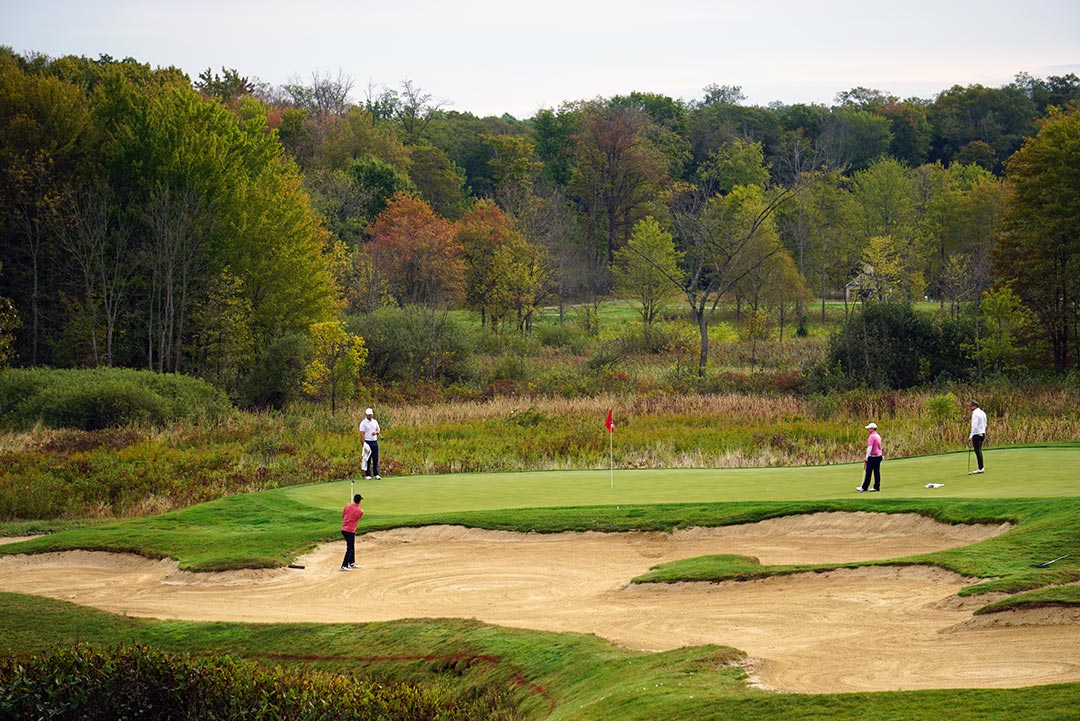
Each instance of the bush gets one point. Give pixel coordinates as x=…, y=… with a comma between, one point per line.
x=413, y=343
x=97, y=398
x=276, y=379
x=140, y=682
x=890, y=345
x=562, y=335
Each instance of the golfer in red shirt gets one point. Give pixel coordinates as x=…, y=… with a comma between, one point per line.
x=350, y=516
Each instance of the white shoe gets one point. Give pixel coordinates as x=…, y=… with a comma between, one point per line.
x=352, y=566
x=378, y=478
x=978, y=470
x=860, y=489
x=367, y=478
x=345, y=568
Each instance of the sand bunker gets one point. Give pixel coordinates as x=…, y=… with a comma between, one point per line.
x=847, y=630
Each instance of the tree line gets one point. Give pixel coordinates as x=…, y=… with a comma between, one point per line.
x=157, y=222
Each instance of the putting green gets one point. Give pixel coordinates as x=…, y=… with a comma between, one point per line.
x=1010, y=473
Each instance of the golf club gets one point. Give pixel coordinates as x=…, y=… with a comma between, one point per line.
x=969, y=457
x=1047, y=564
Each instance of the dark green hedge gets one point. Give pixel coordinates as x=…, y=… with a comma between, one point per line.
x=96, y=398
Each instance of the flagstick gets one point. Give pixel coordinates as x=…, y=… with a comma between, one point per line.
x=611, y=456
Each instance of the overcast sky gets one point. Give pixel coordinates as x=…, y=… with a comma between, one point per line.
x=490, y=58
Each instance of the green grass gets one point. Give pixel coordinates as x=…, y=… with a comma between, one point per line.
x=271, y=528
x=572, y=676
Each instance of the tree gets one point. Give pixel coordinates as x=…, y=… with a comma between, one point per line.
x=9, y=323
x=439, y=182
x=223, y=340
x=481, y=233
x=617, y=175
x=1004, y=342
x=895, y=277
x=736, y=163
x=377, y=182
x=417, y=252
x=999, y=117
x=648, y=268
x=961, y=220
x=46, y=136
x=1038, y=250
x=520, y=276
x=887, y=345
x=415, y=110
x=722, y=239
x=324, y=96
x=179, y=226
x=227, y=88
x=339, y=356
x=101, y=254
x=852, y=139
x=776, y=286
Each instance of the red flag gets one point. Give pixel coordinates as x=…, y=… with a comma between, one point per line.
x=609, y=423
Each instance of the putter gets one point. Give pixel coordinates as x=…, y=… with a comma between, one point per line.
x=969, y=459
x=1047, y=564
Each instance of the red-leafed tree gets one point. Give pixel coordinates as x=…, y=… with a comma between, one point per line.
x=481, y=232
x=417, y=253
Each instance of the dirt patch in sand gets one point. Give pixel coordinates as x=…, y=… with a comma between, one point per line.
x=863, y=629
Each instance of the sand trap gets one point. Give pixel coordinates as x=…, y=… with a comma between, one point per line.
x=847, y=630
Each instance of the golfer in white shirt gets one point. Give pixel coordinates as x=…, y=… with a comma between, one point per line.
x=978, y=433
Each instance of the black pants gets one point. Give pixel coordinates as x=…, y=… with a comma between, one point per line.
x=976, y=443
x=350, y=548
x=373, y=462
x=873, y=465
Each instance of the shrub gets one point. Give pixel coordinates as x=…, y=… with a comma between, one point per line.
x=97, y=398
x=276, y=379
x=140, y=682
x=413, y=343
x=562, y=335
x=890, y=345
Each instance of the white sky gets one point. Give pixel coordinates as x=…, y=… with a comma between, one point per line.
x=490, y=58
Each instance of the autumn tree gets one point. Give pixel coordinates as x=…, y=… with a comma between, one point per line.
x=481, y=233
x=520, y=275
x=617, y=175
x=335, y=369
x=418, y=253
x=894, y=275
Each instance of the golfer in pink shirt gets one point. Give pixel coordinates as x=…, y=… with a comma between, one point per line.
x=872, y=464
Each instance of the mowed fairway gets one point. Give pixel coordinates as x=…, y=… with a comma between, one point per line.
x=883, y=626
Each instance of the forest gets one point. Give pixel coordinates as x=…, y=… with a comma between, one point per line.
x=294, y=240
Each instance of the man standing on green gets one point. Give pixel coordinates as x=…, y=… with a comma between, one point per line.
x=369, y=435
x=978, y=433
